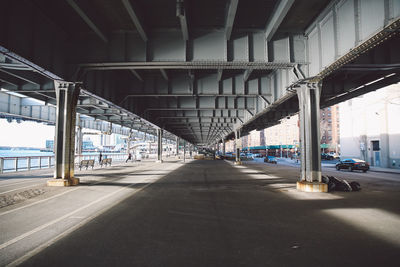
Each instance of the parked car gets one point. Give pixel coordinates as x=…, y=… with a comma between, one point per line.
x=352, y=164
x=327, y=156
x=270, y=159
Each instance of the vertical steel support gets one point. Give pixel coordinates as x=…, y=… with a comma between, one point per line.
x=1, y=165
x=149, y=147
x=28, y=163
x=79, y=137
x=309, y=97
x=184, y=151
x=64, y=143
x=237, y=140
x=159, y=145
x=177, y=146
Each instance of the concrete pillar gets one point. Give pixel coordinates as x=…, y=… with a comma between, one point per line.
x=149, y=148
x=237, y=139
x=309, y=109
x=79, y=137
x=129, y=141
x=223, y=147
x=190, y=150
x=159, y=145
x=64, y=143
x=184, y=151
x=177, y=145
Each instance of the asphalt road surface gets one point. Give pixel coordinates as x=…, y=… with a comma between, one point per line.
x=205, y=213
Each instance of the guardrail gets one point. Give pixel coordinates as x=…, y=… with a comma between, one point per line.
x=12, y=164
x=15, y=164
x=26, y=163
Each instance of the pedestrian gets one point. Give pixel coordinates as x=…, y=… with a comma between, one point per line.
x=129, y=157
x=100, y=158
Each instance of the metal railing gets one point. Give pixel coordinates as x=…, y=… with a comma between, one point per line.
x=15, y=164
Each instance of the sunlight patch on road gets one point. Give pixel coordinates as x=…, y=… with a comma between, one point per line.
x=375, y=222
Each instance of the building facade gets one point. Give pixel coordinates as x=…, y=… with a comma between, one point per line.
x=330, y=129
x=371, y=129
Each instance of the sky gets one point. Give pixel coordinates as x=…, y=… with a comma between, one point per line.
x=25, y=134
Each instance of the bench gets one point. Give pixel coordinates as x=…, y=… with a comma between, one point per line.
x=87, y=164
x=105, y=162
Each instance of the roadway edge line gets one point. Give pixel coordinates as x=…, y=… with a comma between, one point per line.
x=53, y=240
x=43, y=200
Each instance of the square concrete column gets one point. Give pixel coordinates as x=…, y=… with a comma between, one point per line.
x=238, y=146
x=223, y=147
x=64, y=146
x=309, y=109
x=159, y=145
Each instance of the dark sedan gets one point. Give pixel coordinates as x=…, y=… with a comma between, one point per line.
x=352, y=164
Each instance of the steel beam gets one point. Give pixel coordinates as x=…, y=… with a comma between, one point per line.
x=246, y=74
x=279, y=14
x=22, y=77
x=185, y=65
x=136, y=74
x=181, y=14
x=88, y=21
x=135, y=19
x=230, y=18
x=164, y=74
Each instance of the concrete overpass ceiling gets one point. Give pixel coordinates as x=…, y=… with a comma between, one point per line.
x=301, y=15
x=254, y=14
x=208, y=14
x=199, y=69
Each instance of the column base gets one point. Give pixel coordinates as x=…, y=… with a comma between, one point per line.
x=63, y=182
x=312, y=187
x=159, y=161
x=238, y=163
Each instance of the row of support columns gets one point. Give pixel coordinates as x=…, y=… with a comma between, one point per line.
x=309, y=114
x=309, y=105
x=67, y=95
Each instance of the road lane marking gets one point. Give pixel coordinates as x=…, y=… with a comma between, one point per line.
x=53, y=240
x=43, y=226
x=41, y=247
x=37, y=202
x=142, y=169
x=43, y=200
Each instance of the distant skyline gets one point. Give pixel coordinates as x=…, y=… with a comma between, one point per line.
x=25, y=134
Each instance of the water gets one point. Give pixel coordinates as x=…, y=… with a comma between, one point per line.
x=24, y=153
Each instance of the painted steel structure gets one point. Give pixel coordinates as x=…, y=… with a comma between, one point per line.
x=24, y=108
x=201, y=69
